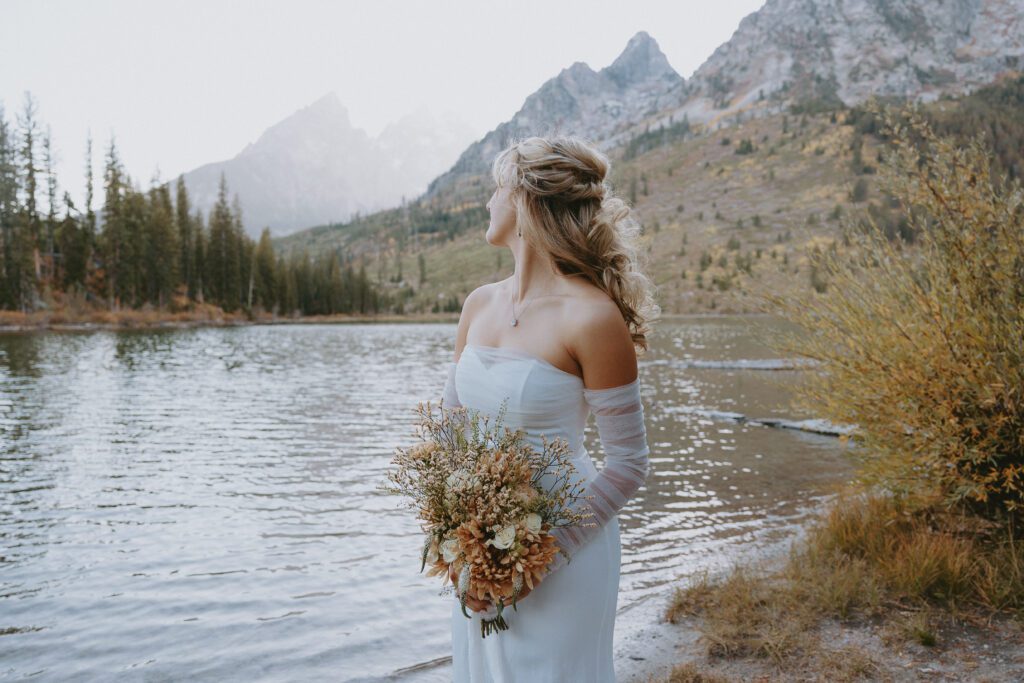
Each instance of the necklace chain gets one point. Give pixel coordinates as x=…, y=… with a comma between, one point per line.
x=515, y=318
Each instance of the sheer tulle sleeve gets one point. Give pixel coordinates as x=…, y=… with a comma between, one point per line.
x=450, y=396
x=619, y=415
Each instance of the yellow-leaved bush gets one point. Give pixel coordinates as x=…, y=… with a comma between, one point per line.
x=921, y=347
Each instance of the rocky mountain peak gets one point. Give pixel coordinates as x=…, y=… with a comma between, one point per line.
x=581, y=101
x=642, y=60
x=832, y=51
x=315, y=167
x=330, y=105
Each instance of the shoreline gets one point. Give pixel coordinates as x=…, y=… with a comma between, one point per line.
x=899, y=641
x=652, y=651
x=13, y=322
x=147, y=320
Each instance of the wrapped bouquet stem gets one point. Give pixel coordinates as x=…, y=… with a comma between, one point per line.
x=487, y=501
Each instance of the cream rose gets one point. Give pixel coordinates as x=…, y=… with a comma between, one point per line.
x=532, y=522
x=450, y=550
x=504, y=538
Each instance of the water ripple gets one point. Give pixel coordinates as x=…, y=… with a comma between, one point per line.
x=168, y=496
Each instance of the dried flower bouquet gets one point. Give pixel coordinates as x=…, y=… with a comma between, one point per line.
x=487, y=501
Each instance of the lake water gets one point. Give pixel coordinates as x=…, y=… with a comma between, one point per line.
x=201, y=504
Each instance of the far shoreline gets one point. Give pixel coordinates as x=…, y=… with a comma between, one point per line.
x=142, y=320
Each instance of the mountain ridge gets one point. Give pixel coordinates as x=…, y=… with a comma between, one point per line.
x=578, y=99
x=314, y=166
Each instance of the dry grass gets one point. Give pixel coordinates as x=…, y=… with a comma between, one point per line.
x=145, y=317
x=872, y=560
x=62, y=316
x=921, y=350
x=690, y=673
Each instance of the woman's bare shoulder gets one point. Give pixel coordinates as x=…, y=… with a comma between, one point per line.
x=601, y=342
x=590, y=302
x=482, y=294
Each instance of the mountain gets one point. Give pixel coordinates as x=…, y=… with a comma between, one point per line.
x=314, y=167
x=419, y=146
x=579, y=100
x=810, y=53
x=752, y=209
x=823, y=52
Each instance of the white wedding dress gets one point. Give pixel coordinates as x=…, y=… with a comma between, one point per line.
x=562, y=630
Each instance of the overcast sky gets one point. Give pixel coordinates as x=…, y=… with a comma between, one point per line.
x=188, y=82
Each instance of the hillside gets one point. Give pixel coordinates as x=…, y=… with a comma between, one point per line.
x=735, y=173
x=696, y=197
x=718, y=224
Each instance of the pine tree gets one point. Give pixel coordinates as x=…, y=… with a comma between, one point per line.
x=73, y=246
x=199, y=259
x=112, y=239
x=51, y=210
x=135, y=220
x=8, y=192
x=264, y=273
x=29, y=134
x=161, y=256
x=89, y=227
x=284, y=306
x=219, y=249
x=16, y=282
x=183, y=220
x=239, y=258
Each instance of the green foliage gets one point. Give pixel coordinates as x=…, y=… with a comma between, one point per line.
x=859, y=192
x=994, y=110
x=659, y=137
x=151, y=249
x=744, y=262
x=722, y=282
x=705, y=260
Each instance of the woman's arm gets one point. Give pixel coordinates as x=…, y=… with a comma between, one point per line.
x=606, y=353
x=450, y=396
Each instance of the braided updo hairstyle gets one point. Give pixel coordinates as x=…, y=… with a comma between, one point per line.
x=565, y=208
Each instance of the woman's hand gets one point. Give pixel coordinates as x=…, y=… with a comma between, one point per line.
x=484, y=605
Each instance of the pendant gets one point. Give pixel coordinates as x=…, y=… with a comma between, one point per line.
x=514, y=322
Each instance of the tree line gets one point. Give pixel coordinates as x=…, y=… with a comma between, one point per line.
x=147, y=246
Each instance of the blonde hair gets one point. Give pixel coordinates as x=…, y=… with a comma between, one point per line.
x=565, y=208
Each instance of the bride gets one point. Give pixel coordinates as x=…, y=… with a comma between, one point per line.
x=558, y=340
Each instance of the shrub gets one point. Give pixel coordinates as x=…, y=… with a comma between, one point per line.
x=745, y=147
x=860, y=191
x=921, y=345
x=705, y=260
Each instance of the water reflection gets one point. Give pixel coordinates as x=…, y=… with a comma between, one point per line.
x=202, y=503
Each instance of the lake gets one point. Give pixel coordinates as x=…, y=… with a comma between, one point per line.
x=202, y=504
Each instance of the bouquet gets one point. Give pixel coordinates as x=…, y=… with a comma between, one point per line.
x=485, y=512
